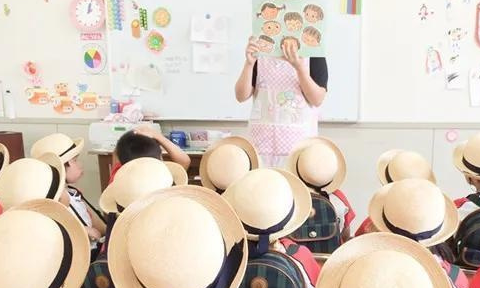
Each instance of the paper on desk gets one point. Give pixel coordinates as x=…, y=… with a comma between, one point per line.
x=210, y=58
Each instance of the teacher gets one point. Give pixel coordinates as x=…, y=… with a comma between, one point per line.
x=286, y=95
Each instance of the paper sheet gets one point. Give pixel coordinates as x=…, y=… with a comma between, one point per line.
x=210, y=28
x=210, y=58
x=302, y=22
x=475, y=87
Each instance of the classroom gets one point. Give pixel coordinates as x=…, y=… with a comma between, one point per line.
x=136, y=136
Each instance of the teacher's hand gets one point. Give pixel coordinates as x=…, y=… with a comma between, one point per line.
x=252, y=48
x=290, y=53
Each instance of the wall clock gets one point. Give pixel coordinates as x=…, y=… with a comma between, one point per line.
x=88, y=15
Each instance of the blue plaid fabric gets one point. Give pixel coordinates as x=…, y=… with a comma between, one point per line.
x=98, y=275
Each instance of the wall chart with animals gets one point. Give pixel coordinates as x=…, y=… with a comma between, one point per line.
x=54, y=61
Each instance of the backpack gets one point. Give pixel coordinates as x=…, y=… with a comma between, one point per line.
x=321, y=232
x=273, y=270
x=467, y=240
x=98, y=275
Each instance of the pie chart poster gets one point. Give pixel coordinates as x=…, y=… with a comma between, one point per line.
x=94, y=59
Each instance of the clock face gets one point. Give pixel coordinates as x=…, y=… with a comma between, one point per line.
x=89, y=15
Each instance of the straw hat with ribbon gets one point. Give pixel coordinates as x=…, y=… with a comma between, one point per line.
x=271, y=204
x=4, y=156
x=180, y=176
x=466, y=157
x=382, y=260
x=58, y=144
x=416, y=209
x=42, y=245
x=226, y=161
x=134, y=180
x=184, y=236
x=27, y=179
x=395, y=165
x=319, y=163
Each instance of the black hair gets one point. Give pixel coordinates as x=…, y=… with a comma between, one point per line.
x=2, y=158
x=132, y=146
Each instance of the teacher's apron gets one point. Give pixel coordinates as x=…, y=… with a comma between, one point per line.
x=281, y=116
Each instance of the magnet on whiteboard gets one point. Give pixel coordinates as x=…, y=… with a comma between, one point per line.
x=451, y=135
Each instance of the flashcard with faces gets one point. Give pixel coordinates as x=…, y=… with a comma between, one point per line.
x=300, y=22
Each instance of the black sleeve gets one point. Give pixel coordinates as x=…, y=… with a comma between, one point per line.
x=319, y=71
x=254, y=77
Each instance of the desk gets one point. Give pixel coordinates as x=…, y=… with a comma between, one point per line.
x=106, y=162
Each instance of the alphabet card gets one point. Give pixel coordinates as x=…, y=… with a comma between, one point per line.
x=300, y=22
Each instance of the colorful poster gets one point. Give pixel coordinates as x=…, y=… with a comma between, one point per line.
x=352, y=7
x=301, y=22
x=94, y=58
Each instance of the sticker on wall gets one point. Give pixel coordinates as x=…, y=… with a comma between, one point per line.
x=37, y=96
x=155, y=42
x=434, y=61
x=474, y=82
x=85, y=100
x=425, y=13
x=136, y=31
x=63, y=105
x=451, y=136
x=33, y=73
x=352, y=7
x=94, y=58
x=116, y=14
x=143, y=18
x=161, y=17
x=6, y=10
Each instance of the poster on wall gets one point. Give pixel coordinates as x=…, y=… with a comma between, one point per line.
x=300, y=22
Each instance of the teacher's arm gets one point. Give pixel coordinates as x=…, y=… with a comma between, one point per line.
x=314, y=90
x=243, y=87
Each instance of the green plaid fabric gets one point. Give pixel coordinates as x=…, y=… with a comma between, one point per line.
x=320, y=233
x=276, y=268
x=98, y=274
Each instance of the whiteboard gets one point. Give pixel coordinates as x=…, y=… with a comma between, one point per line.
x=42, y=32
x=199, y=96
x=395, y=86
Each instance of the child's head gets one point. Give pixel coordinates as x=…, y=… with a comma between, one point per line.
x=66, y=148
x=473, y=181
x=313, y=13
x=265, y=44
x=311, y=36
x=270, y=11
x=293, y=21
x=292, y=40
x=132, y=146
x=271, y=28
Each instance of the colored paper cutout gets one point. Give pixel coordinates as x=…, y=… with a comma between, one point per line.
x=352, y=7
x=6, y=10
x=136, y=31
x=143, y=18
x=155, y=42
x=94, y=58
x=161, y=17
x=116, y=14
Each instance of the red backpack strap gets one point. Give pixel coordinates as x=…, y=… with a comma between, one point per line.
x=475, y=282
x=365, y=228
x=459, y=202
x=304, y=257
x=115, y=168
x=456, y=275
x=351, y=213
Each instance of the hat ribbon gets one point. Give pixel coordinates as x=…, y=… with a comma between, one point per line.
x=52, y=191
x=387, y=175
x=417, y=237
x=68, y=150
x=229, y=269
x=470, y=166
x=66, y=261
x=318, y=189
x=2, y=158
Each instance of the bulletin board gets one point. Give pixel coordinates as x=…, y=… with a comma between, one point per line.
x=68, y=73
x=411, y=50
x=197, y=79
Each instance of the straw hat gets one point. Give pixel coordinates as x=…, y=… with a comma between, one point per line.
x=157, y=243
x=4, y=156
x=395, y=165
x=179, y=174
x=414, y=208
x=466, y=156
x=226, y=161
x=134, y=180
x=319, y=163
x=270, y=202
x=27, y=179
x=58, y=144
x=382, y=260
x=41, y=241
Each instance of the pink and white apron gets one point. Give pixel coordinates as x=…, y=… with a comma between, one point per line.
x=281, y=116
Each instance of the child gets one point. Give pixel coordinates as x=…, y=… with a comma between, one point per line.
x=265, y=44
x=275, y=126
x=271, y=28
x=293, y=21
x=290, y=40
x=272, y=204
x=311, y=36
x=419, y=210
x=320, y=164
x=395, y=165
x=146, y=142
x=269, y=11
x=313, y=13
x=69, y=150
x=466, y=158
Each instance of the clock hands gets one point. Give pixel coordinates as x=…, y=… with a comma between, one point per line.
x=89, y=10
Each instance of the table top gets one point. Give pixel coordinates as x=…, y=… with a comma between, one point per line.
x=106, y=152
